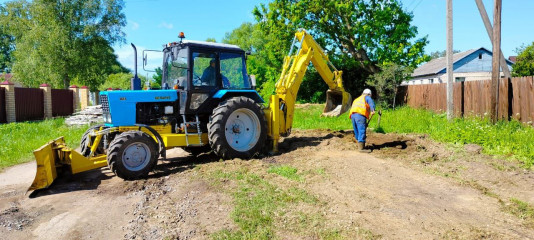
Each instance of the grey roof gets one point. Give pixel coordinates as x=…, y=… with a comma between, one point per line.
x=437, y=65
x=212, y=44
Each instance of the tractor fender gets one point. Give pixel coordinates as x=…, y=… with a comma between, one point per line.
x=162, y=149
x=228, y=93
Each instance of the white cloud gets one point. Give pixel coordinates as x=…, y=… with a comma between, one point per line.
x=166, y=25
x=135, y=26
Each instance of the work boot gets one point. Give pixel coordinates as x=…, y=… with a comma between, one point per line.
x=361, y=148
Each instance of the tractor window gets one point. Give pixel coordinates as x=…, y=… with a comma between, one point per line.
x=176, y=69
x=233, y=71
x=204, y=69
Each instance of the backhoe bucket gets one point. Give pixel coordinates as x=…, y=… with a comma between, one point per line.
x=54, y=155
x=337, y=103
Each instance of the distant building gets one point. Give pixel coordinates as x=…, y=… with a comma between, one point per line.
x=471, y=65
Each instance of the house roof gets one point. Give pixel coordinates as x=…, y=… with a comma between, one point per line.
x=439, y=64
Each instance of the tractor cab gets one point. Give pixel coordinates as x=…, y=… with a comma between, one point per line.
x=205, y=72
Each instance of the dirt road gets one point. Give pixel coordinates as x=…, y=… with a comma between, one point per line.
x=408, y=188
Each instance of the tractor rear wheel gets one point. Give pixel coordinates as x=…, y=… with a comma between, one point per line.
x=132, y=155
x=237, y=128
x=85, y=149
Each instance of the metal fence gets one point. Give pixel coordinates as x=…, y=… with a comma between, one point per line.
x=516, y=98
x=62, y=103
x=29, y=104
x=2, y=106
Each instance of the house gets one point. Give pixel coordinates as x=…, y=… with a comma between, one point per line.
x=471, y=65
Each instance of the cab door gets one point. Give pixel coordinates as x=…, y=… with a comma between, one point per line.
x=205, y=75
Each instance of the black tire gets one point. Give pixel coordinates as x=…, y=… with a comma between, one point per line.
x=217, y=128
x=125, y=141
x=195, y=151
x=85, y=150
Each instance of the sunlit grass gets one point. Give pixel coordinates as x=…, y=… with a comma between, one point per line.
x=18, y=140
x=504, y=138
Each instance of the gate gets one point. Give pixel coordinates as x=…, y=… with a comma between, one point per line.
x=62, y=102
x=29, y=104
x=3, y=106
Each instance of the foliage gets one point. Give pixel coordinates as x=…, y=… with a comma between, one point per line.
x=504, y=138
x=372, y=32
x=386, y=82
x=20, y=139
x=158, y=77
x=439, y=54
x=6, y=48
x=121, y=81
x=61, y=41
x=210, y=39
x=524, y=66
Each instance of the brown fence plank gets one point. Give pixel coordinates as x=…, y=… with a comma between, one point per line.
x=3, y=105
x=29, y=104
x=62, y=102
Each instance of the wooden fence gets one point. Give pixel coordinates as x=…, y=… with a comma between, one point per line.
x=62, y=102
x=472, y=98
x=29, y=104
x=2, y=106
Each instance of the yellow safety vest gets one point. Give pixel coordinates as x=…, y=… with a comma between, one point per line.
x=360, y=106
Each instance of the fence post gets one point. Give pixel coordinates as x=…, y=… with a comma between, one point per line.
x=47, y=99
x=11, y=114
x=84, y=97
x=75, y=97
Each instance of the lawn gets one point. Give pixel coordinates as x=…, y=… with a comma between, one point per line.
x=20, y=139
x=512, y=138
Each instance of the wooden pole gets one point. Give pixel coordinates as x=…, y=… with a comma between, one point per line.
x=450, y=70
x=489, y=29
x=496, y=71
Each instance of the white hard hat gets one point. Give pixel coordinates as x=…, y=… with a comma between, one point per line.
x=367, y=91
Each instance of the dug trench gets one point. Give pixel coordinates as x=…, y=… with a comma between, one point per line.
x=318, y=186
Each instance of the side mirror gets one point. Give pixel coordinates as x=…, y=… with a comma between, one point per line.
x=253, y=81
x=144, y=60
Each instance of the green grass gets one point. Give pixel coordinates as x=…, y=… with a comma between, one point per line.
x=522, y=210
x=257, y=203
x=18, y=140
x=285, y=171
x=504, y=138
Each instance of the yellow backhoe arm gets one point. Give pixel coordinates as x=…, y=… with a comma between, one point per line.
x=282, y=104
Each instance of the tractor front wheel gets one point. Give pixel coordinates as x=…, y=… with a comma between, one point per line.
x=85, y=149
x=132, y=155
x=237, y=128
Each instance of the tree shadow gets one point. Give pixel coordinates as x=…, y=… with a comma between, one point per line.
x=90, y=180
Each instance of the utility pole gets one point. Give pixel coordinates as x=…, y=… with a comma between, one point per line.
x=489, y=29
x=496, y=71
x=450, y=70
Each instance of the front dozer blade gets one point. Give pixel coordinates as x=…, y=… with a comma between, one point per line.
x=46, y=157
x=337, y=103
x=56, y=154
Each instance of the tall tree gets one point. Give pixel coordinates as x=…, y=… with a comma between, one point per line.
x=524, y=66
x=6, y=47
x=61, y=41
x=372, y=32
x=387, y=80
x=439, y=54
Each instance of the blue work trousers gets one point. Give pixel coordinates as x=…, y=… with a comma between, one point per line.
x=359, y=123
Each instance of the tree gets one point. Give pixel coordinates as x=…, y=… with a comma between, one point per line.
x=210, y=39
x=119, y=81
x=158, y=76
x=439, y=54
x=372, y=32
x=62, y=41
x=387, y=81
x=524, y=65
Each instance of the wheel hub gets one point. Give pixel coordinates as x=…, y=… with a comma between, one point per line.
x=242, y=129
x=136, y=156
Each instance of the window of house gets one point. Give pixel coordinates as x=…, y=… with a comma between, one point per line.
x=460, y=79
x=431, y=80
x=480, y=56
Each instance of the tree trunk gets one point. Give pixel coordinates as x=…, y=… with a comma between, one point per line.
x=66, y=82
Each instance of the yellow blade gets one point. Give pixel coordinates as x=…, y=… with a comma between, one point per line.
x=337, y=103
x=46, y=158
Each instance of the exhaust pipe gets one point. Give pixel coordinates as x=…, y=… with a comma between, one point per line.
x=135, y=82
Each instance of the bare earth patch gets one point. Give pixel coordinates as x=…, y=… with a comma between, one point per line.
x=409, y=187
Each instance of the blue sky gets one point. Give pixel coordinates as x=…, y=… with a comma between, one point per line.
x=152, y=23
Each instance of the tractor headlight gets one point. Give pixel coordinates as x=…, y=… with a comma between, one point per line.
x=197, y=99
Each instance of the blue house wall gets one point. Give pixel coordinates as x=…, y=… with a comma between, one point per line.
x=478, y=61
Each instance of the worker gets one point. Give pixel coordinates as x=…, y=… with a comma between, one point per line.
x=208, y=77
x=362, y=110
